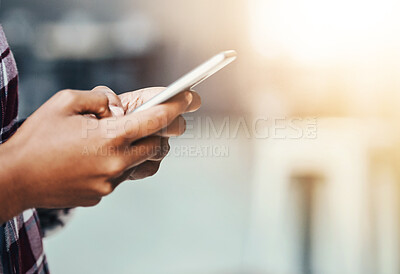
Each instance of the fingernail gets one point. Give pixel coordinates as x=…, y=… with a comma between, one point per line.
x=117, y=111
x=189, y=97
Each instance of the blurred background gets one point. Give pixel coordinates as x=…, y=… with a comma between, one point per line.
x=290, y=167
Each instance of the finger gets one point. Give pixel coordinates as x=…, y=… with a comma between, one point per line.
x=196, y=102
x=163, y=151
x=135, y=126
x=175, y=128
x=83, y=102
x=141, y=151
x=144, y=170
x=115, y=104
x=133, y=99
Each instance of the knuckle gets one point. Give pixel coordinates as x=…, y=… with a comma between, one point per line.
x=67, y=96
x=114, y=167
x=101, y=87
x=104, y=189
x=163, y=112
x=64, y=91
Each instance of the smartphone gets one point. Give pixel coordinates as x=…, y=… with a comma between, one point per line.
x=192, y=78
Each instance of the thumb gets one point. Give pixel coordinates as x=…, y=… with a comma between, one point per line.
x=114, y=102
x=94, y=103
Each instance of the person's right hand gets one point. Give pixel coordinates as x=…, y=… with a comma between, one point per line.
x=61, y=157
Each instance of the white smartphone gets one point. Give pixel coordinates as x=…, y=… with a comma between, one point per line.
x=192, y=78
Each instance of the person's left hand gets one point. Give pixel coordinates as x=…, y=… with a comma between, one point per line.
x=133, y=99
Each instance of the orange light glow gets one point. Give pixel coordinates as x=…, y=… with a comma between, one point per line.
x=313, y=31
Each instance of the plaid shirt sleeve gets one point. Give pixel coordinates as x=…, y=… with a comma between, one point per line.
x=21, y=247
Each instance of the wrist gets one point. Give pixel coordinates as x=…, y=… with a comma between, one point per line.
x=13, y=194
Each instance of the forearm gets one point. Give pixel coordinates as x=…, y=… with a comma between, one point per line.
x=12, y=193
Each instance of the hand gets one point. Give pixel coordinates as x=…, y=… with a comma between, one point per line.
x=132, y=100
x=61, y=157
